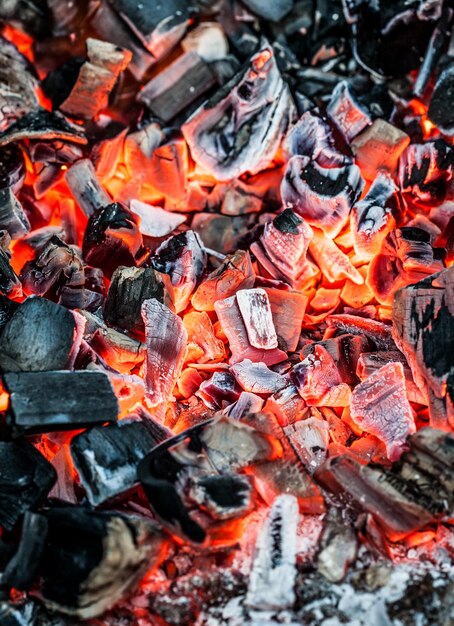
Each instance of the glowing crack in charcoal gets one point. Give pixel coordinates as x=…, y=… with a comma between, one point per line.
x=226, y=313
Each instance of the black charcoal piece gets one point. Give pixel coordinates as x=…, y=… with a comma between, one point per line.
x=112, y=238
x=176, y=87
x=26, y=478
x=224, y=496
x=107, y=458
x=440, y=110
x=129, y=288
x=12, y=167
x=43, y=402
x=58, y=83
x=23, y=567
x=12, y=215
x=9, y=282
x=39, y=336
x=18, y=84
x=159, y=25
x=33, y=15
x=88, y=560
x=43, y=124
x=7, y=310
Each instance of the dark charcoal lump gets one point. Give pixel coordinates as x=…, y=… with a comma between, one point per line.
x=58, y=83
x=441, y=111
x=39, y=336
x=26, y=478
x=287, y=222
x=12, y=167
x=43, y=124
x=33, y=15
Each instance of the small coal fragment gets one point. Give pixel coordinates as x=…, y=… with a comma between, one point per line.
x=7, y=309
x=309, y=438
x=12, y=215
x=338, y=547
x=181, y=260
x=22, y=569
x=12, y=167
x=58, y=273
x=380, y=406
x=18, y=84
x=89, y=560
x=112, y=238
x=273, y=10
x=253, y=109
x=176, y=87
x=128, y=290
x=378, y=332
x=42, y=124
x=38, y=337
x=107, y=458
x=440, y=112
x=371, y=218
x=346, y=112
x=333, y=263
x=166, y=340
x=224, y=496
x=272, y=580
x=43, y=402
x=96, y=79
x=85, y=187
x=425, y=169
x=158, y=26
x=413, y=493
x=26, y=478
x=221, y=388
x=346, y=350
x=322, y=196
x=34, y=16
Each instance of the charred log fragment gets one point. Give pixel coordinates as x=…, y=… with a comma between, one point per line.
x=378, y=148
x=96, y=79
x=128, y=290
x=12, y=167
x=86, y=188
x=112, y=238
x=26, y=479
x=9, y=282
x=85, y=561
x=415, y=492
x=440, y=113
x=107, y=458
x=255, y=106
x=178, y=86
x=43, y=125
x=40, y=336
x=43, y=402
x=378, y=332
x=425, y=169
x=322, y=196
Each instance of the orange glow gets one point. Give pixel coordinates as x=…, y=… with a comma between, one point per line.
x=22, y=41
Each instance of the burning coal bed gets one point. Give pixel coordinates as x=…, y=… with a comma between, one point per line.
x=226, y=313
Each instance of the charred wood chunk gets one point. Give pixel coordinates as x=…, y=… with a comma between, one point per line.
x=38, y=337
x=88, y=560
x=35, y=17
x=406, y=256
x=425, y=169
x=181, y=260
x=282, y=249
x=85, y=187
x=166, y=340
x=44, y=125
x=112, y=238
x=254, y=108
x=9, y=282
x=154, y=221
x=405, y=498
x=333, y=263
x=252, y=322
x=58, y=273
x=96, y=79
x=371, y=218
x=257, y=377
x=12, y=215
x=234, y=273
x=312, y=136
x=7, y=309
x=158, y=26
x=128, y=290
x=18, y=84
x=43, y=402
x=338, y=547
x=322, y=196
x=26, y=478
x=58, y=83
x=108, y=148
x=221, y=388
x=423, y=328
x=224, y=496
x=107, y=458
x=440, y=112
x=309, y=438
x=378, y=148
x=12, y=167
x=378, y=332
x=346, y=112
x=273, y=575
x=380, y=406
x=176, y=87
x=269, y=10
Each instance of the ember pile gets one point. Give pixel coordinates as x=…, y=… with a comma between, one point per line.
x=226, y=312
